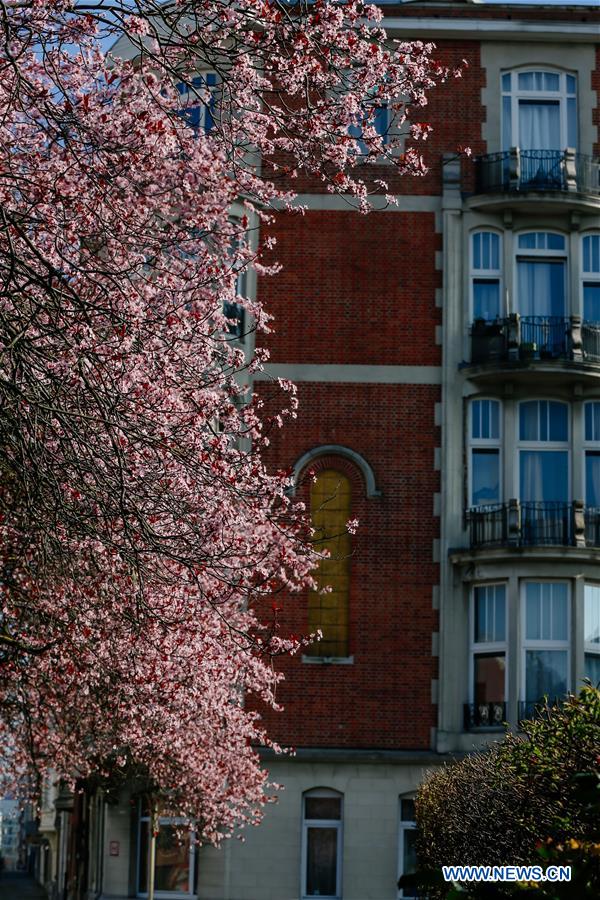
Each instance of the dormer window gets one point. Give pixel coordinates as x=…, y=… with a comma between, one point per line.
x=539, y=110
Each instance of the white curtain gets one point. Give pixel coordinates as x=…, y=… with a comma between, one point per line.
x=532, y=476
x=541, y=288
x=544, y=475
x=592, y=464
x=539, y=125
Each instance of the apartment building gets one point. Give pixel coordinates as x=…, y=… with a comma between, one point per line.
x=447, y=356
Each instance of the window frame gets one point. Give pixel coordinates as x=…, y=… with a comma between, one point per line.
x=404, y=825
x=587, y=276
x=590, y=648
x=590, y=446
x=165, y=895
x=539, y=254
x=543, y=644
x=183, y=89
x=486, y=274
x=515, y=93
x=541, y=446
x=484, y=444
x=478, y=648
x=338, y=824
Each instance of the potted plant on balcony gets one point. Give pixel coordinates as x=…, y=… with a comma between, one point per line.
x=529, y=350
x=488, y=340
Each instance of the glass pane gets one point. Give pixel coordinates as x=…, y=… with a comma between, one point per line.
x=541, y=287
x=528, y=241
x=507, y=140
x=544, y=475
x=571, y=84
x=592, y=421
x=322, y=807
x=546, y=611
x=592, y=479
x=591, y=253
x=529, y=428
x=409, y=857
x=490, y=613
x=321, y=862
x=543, y=420
x=545, y=674
x=555, y=241
x=506, y=81
x=489, y=677
x=486, y=299
x=539, y=125
x=526, y=82
x=485, y=419
x=172, y=861
x=407, y=811
x=591, y=618
x=571, y=122
x=485, y=477
x=592, y=667
x=551, y=81
x=591, y=301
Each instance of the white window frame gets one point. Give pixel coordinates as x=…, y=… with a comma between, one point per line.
x=403, y=826
x=516, y=94
x=483, y=444
x=190, y=96
x=477, y=648
x=587, y=275
x=338, y=824
x=165, y=820
x=589, y=446
x=533, y=254
x=542, y=445
x=589, y=648
x=485, y=274
x=531, y=644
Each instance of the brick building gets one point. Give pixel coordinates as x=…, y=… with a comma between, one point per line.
x=447, y=356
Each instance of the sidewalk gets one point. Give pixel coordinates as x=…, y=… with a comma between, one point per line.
x=16, y=886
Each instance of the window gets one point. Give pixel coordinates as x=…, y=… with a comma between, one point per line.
x=407, y=853
x=381, y=121
x=592, y=453
x=488, y=652
x=543, y=451
x=591, y=277
x=174, y=866
x=485, y=486
x=540, y=290
x=330, y=505
x=545, y=641
x=539, y=110
x=322, y=811
x=591, y=636
x=486, y=292
x=235, y=312
x=198, y=101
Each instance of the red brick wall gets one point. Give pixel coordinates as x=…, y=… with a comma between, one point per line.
x=384, y=698
x=354, y=289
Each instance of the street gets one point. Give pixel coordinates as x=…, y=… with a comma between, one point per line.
x=17, y=886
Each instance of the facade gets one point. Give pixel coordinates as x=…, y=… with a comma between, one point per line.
x=447, y=356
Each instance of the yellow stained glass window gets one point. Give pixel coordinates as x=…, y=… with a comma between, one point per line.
x=330, y=500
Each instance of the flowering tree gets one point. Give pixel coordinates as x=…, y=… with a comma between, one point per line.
x=142, y=538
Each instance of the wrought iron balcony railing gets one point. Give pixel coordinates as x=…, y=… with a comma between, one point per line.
x=537, y=170
x=528, y=524
x=484, y=715
x=530, y=338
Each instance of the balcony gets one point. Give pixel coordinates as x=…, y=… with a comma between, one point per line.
x=527, y=524
x=558, y=175
x=521, y=342
x=484, y=715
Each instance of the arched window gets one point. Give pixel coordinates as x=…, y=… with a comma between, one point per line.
x=322, y=812
x=539, y=111
x=485, y=443
x=486, y=255
x=590, y=266
x=330, y=508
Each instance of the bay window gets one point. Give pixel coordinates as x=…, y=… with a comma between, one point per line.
x=540, y=291
x=545, y=628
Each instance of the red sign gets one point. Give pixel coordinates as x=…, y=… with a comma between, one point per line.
x=114, y=848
